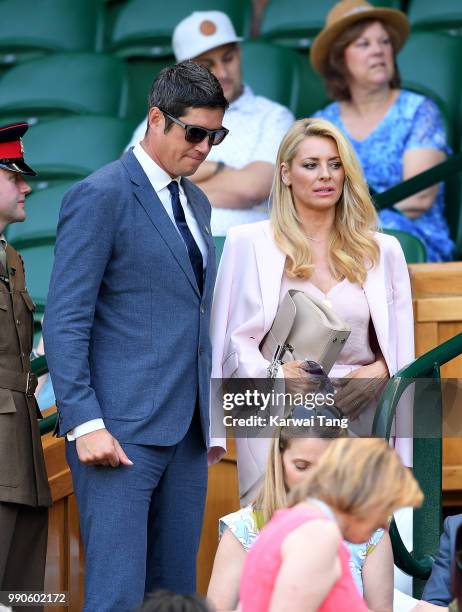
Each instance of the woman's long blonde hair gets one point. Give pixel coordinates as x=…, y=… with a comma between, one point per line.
x=352, y=248
x=273, y=493
x=358, y=476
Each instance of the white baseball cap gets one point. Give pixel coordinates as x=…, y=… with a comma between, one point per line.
x=200, y=32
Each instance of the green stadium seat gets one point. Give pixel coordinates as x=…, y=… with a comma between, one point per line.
x=282, y=82
x=42, y=216
x=413, y=248
x=294, y=23
x=73, y=147
x=444, y=15
x=141, y=73
x=453, y=211
x=313, y=95
x=38, y=263
x=35, y=27
x=65, y=83
x=219, y=244
x=143, y=28
x=430, y=64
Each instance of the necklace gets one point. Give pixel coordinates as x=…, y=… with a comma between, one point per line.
x=315, y=239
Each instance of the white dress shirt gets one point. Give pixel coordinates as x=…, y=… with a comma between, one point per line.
x=159, y=180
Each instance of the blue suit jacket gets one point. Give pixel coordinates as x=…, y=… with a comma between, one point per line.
x=438, y=588
x=126, y=330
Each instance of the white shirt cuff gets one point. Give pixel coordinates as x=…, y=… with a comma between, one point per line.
x=85, y=428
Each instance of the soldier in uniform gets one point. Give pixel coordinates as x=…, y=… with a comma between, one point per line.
x=24, y=491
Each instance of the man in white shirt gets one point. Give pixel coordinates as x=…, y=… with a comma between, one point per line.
x=126, y=335
x=237, y=175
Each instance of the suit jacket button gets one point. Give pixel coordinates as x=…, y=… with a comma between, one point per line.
x=201, y=351
x=202, y=309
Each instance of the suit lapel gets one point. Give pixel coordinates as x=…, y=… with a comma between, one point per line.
x=147, y=197
x=270, y=264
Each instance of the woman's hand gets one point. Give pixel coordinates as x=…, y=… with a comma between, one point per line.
x=293, y=369
x=297, y=380
x=354, y=395
x=378, y=369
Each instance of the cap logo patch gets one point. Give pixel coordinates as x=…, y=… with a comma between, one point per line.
x=207, y=27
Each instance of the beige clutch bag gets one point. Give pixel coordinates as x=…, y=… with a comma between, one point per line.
x=305, y=328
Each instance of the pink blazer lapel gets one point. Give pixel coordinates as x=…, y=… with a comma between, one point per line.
x=270, y=264
x=376, y=295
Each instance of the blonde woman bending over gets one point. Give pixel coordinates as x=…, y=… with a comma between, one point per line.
x=290, y=460
x=299, y=562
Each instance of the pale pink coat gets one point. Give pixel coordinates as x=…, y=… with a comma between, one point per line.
x=246, y=301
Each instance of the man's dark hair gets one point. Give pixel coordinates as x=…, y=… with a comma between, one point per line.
x=186, y=85
x=166, y=601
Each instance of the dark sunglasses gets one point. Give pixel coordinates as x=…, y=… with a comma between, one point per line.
x=196, y=134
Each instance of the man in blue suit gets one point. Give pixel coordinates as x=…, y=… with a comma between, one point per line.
x=438, y=588
x=127, y=342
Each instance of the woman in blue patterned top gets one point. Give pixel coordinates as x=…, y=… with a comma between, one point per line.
x=396, y=133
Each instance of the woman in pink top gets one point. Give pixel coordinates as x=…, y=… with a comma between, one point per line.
x=299, y=563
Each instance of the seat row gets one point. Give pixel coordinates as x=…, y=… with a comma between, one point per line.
x=90, y=83
x=143, y=27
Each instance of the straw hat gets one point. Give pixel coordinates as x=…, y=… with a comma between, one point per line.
x=343, y=15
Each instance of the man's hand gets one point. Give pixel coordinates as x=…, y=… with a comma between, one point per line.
x=214, y=454
x=100, y=448
x=352, y=398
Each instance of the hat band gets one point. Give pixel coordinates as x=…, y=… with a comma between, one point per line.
x=11, y=150
x=358, y=9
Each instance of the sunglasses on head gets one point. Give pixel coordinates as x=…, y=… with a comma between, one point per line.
x=196, y=134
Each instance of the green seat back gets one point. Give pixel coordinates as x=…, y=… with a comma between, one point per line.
x=313, y=95
x=142, y=28
x=219, y=244
x=34, y=27
x=141, y=73
x=430, y=64
x=413, y=248
x=75, y=146
x=294, y=23
x=38, y=263
x=430, y=15
x=281, y=81
x=453, y=211
x=42, y=208
x=65, y=83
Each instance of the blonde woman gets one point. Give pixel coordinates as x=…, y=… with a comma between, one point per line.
x=299, y=561
x=321, y=238
x=289, y=462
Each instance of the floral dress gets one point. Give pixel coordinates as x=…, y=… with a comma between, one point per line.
x=244, y=525
x=412, y=122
